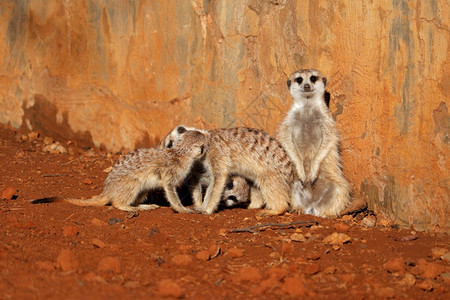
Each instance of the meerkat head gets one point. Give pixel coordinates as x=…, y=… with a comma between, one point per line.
x=191, y=143
x=236, y=192
x=306, y=83
x=174, y=135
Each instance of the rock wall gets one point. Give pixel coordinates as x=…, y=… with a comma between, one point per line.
x=121, y=74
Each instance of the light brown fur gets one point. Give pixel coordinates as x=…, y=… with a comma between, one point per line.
x=142, y=170
x=249, y=153
x=310, y=138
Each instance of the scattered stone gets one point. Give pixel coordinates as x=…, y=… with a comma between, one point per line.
x=426, y=285
x=298, y=237
x=223, y=232
x=55, y=148
x=107, y=170
x=249, y=274
x=432, y=270
x=98, y=222
x=341, y=227
x=132, y=214
x=214, y=251
x=168, y=288
x=203, y=255
x=48, y=141
x=406, y=238
x=110, y=264
x=294, y=286
x=336, y=239
x=446, y=257
x=182, y=259
x=312, y=269
x=87, y=181
x=428, y=270
x=33, y=135
x=46, y=265
x=98, y=243
x=408, y=280
x=438, y=252
x=336, y=247
x=347, y=218
x=235, y=252
x=8, y=193
x=70, y=230
x=313, y=256
x=114, y=221
x=66, y=260
x=396, y=266
x=369, y=221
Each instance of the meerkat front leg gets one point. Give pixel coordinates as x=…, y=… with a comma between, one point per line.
x=323, y=151
x=214, y=193
x=172, y=197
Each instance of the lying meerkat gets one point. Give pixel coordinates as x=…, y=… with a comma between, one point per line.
x=309, y=135
x=142, y=170
x=249, y=153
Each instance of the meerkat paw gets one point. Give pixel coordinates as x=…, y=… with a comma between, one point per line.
x=184, y=210
x=297, y=210
x=269, y=212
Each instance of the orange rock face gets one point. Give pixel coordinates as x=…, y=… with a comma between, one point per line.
x=120, y=75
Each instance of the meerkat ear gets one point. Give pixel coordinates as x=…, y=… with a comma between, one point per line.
x=289, y=84
x=324, y=81
x=181, y=129
x=326, y=98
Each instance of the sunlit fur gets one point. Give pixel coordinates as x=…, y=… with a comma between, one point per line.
x=309, y=135
x=249, y=153
x=143, y=170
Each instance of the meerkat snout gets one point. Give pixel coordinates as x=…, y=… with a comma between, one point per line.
x=307, y=88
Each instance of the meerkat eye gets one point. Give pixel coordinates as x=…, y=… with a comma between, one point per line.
x=170, y=144
x=230, y=185
x=313, y=78
x=299, y=80
x=181, y=129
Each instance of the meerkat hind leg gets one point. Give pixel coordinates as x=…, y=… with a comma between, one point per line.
x=276, y=198
x=256, y=198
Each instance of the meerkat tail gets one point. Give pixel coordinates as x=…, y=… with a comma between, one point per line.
x=94, y=201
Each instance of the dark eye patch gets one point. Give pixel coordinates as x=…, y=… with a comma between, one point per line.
x=170, y=144
x=313, y=78
x=230, y=185
x=299, y=80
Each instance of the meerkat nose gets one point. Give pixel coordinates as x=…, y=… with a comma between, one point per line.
x=307, y=87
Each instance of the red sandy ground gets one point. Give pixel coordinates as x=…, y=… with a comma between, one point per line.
x=62, y=251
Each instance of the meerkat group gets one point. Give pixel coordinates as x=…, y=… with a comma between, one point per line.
x=301, y=171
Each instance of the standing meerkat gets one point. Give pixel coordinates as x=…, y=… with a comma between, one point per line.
x=249, y=153
x=309, y=135
x=142, y=170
